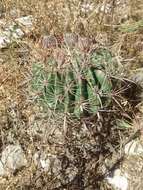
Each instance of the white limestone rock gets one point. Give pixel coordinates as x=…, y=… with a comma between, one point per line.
x=15, y=31
x=13, y=158
x=134, y=148
x=26, y=23
x=118, y=181
x=4, y=41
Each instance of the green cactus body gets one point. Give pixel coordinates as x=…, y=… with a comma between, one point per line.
x=78, y=90
x=49, y=90
x=78, y=99
x=72, y=88
x=92, y=89
x=103, y=82
x=59, y=91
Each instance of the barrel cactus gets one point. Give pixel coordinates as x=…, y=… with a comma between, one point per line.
x=79, y=88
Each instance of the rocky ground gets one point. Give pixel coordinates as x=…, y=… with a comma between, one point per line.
x=45, y=150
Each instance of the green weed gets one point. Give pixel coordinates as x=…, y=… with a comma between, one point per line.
x=132, y=27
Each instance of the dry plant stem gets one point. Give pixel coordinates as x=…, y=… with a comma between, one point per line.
x=4, y=80
x=103, y=14
x=65, y=124
x=112, y=13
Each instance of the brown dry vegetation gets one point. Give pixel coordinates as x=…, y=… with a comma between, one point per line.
x=119, y=29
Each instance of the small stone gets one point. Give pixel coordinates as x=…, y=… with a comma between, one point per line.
x=133, y=148
x=4, y=41
x=2, y=170
x=13, y=32
x=9, y=35
x=12, y=159
x=118, y=181
x=138, y=77
x=26, y=21
x=18, y=33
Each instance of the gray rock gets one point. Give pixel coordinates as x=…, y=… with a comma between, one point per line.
x=118, y=181
x=134, y=147
x=26, y=21
x=4, y=41
x=12, y=159
x=138, y=77
x=3, y=172
x=15, y=30
x=9, y=35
